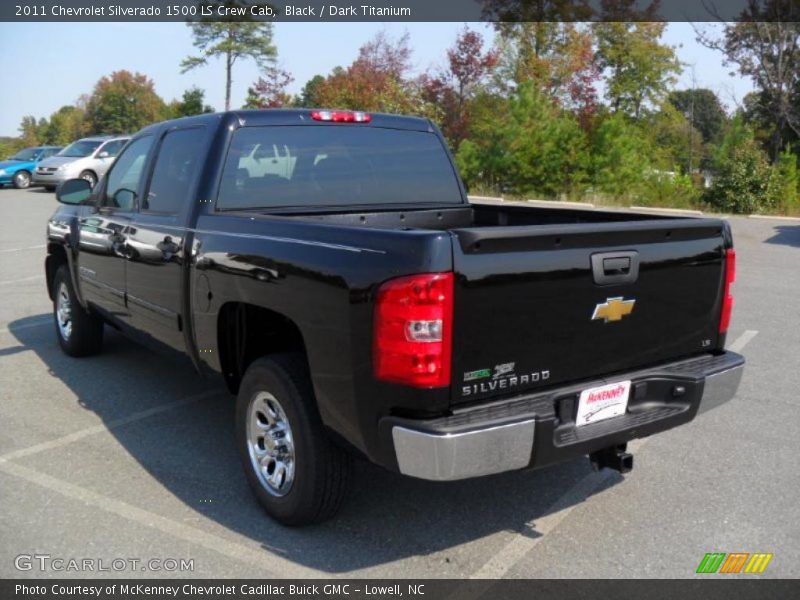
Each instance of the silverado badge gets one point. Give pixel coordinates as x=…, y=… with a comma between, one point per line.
x=613, y=309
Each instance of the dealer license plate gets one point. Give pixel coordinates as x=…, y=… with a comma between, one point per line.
x=603, y=402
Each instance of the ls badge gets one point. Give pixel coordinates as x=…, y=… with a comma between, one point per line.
x=613, y=309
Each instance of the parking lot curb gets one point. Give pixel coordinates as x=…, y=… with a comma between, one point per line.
x=776, y=218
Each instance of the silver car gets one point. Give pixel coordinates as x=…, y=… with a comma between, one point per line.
x=88, y=158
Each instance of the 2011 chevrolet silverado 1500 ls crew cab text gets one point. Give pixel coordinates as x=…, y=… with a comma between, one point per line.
x=330, y=267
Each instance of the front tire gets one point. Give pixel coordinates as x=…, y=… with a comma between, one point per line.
x=79, y=333
x=298, y=476
x=90, y=177
x=22, y=180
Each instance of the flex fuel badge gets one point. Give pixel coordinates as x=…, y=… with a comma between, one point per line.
x=479, y=374
x=503, y=377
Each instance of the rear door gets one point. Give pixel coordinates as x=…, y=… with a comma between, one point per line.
x=155, y=240
x=537, y=306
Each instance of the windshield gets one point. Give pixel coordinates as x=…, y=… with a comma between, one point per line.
x=323, y=165
x=27, y=154
x=80, y=148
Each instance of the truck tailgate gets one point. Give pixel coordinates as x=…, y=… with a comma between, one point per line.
x=541, y=305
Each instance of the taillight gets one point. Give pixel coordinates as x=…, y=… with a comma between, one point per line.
x=341, y=116
x=413, y=330
x=727, y=298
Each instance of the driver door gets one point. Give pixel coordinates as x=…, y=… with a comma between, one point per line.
x=102, y=235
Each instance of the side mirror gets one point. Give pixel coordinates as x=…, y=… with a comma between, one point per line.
x=103, y=154
x=74, y=191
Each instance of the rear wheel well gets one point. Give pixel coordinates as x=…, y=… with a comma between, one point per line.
x=56, y=256
x=246, y=332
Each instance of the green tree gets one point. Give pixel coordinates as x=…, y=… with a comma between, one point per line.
x=535, y=148
x=765, y=46
x=192, y=103
x=232, y=41
x=65, y=125
x=619, y=161
x=639, y=68
x=123, y=102
x=703, y=109
x=673, y=143
x=31, y=132
x=309, y=94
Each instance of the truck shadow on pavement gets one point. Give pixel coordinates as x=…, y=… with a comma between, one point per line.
x=189, y=450
x=786, y=235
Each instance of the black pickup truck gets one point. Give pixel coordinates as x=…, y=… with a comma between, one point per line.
x=329, y=265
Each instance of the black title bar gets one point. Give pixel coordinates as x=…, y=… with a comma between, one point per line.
x=397, y=10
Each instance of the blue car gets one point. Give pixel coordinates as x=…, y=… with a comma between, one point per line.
x=18, y=169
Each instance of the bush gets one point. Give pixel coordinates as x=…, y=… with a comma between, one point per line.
x=743, y=179
x=670, y=191
x=784, y=181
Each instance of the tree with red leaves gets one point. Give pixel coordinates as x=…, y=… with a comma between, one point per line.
x=377, y=80
x=452, y=89
x=269, y=91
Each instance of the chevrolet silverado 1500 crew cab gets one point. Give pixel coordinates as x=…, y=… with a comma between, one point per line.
x=330, y=267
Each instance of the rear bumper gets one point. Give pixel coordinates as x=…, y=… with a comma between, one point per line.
x=536, y=430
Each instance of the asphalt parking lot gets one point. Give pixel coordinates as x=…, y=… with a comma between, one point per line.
x=126, y=455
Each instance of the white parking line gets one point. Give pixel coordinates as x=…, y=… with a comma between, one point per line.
x=103, y=427
x=23, y=280
x=742, y=340
x=522, y=543
x=22, y=249
x=251, y=554
x=274, y=565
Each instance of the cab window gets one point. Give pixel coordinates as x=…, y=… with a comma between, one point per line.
x=123, y=181
x=175, y=171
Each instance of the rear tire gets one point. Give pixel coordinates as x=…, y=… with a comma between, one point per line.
x=297, y=474
x=22, y=180
x=79, y=332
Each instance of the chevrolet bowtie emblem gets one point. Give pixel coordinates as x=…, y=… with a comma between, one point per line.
x=613, y=309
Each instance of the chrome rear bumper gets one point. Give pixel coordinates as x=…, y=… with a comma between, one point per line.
x=449, y=454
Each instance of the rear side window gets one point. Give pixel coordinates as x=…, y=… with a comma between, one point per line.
x=318, y=165
x=113, y=147
x=176, y=167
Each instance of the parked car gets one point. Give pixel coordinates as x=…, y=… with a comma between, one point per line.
x=355, y=300
x=18, y=170
x=88, y=158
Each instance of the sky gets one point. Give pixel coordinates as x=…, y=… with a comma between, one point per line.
x=49, y=65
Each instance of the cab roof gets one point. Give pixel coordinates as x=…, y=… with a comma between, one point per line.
x=295, y=116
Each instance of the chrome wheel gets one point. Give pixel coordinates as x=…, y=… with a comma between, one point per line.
x=64, y=312
x=90, y=178
x=22, y=180
x=270, y=444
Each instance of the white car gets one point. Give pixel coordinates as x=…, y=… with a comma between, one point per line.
x=88, y=158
